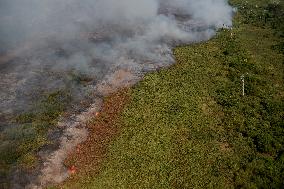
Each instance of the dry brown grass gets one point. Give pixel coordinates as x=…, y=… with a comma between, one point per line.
x=89, y=155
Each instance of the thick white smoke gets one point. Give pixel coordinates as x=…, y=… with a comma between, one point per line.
x=96, y=37
x=24, y=20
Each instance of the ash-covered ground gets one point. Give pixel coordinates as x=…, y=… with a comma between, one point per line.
x=91, y=48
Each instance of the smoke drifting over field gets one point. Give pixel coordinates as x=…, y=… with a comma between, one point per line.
x=96, y=36
x=134, y=20
x=45, y=44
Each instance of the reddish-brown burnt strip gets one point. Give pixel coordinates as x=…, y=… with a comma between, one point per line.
x=88, y=156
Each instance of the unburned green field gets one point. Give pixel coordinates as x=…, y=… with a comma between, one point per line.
x=190, y=127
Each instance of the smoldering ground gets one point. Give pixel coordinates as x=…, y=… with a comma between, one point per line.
x=113, y=43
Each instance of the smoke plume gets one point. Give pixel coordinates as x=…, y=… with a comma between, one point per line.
x=95, y=37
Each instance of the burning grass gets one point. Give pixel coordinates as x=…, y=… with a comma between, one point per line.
x=190, y=127
x=89, y=155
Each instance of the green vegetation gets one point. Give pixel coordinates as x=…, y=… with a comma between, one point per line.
x=80, y=78
x=20, y=143
x=190, y=127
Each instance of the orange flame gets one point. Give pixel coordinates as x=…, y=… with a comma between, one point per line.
x=72, y=169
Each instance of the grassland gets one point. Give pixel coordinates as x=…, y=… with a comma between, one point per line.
x=189, y=126
x=20, y=143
